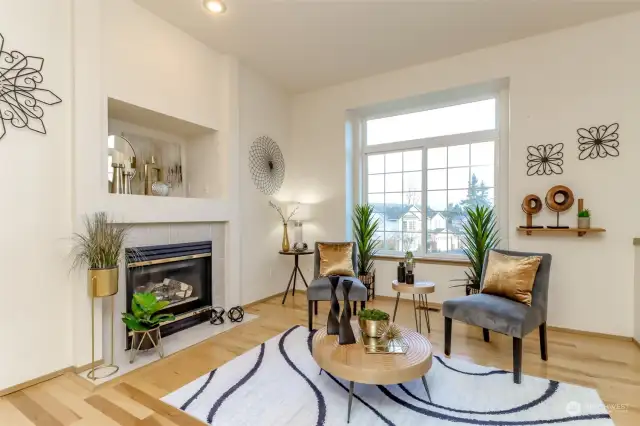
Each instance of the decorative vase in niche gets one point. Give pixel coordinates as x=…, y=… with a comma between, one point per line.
x=584, y=222
x=345, y=336
x=333, y=325
x=285, y=239
x=160, y=189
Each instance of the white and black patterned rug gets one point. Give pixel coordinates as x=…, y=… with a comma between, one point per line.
x=277, y=383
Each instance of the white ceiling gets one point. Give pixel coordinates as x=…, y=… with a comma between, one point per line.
x=308, y=44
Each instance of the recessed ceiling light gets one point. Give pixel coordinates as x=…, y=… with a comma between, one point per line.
x=214, y=6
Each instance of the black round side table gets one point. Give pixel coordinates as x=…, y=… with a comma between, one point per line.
x=294, y=273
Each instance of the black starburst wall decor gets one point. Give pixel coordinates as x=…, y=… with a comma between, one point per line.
x=267, y=165
x=598, y=142
x=545, y=159
x=21, y=99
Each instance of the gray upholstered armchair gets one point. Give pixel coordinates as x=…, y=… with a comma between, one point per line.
x=504, y=315
x=320, y=288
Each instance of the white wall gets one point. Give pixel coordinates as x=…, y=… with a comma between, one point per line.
x=36, y=213
x=124, y=52
x=149, y=63
x=95, y=49
x=264, y=110
x=579, y=77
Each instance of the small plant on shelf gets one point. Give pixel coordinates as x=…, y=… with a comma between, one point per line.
x=584, y=213
x=373, y=315
x=584, y=219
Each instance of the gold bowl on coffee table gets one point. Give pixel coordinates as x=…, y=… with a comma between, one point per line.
x=373, y=328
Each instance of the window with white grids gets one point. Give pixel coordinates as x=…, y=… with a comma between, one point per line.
x=423, y=169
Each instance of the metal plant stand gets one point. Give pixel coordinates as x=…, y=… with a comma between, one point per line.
x=146, y=334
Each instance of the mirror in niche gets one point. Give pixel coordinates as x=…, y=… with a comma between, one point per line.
x=121, y=164
x=149, y=166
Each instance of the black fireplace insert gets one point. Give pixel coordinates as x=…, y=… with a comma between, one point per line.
x=177, y=273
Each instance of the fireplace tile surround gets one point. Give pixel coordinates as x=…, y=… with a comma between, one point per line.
x=150, y=234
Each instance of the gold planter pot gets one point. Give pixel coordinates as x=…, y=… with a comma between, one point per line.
x=373, y=328
x=144, y=340
x=102, y=283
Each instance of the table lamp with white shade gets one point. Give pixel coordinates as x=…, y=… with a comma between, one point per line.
x=302, y=213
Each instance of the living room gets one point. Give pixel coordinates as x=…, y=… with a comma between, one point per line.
x=422, y=110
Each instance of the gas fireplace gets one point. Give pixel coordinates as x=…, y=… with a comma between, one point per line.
x=177, y=273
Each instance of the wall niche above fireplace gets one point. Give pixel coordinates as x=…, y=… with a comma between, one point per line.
x=179, y=156
x=177, y=273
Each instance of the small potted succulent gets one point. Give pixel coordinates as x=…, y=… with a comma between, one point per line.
x=373, y=322
x=409, y=260
x=584, y=219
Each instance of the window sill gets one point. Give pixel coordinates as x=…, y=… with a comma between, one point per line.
x=431, y=260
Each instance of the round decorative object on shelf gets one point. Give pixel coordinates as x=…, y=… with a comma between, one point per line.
x=559, y=198
x=267, y=165
x=236, y=314
x=532, y=204
x=217, y=315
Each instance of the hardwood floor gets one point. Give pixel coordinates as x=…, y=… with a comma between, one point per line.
x=611, y=366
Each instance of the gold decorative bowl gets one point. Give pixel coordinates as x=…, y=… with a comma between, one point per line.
x=373, y=328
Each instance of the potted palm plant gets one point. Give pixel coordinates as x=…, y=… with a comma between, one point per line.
x=145, y=319
x=365, y=226
x=480, y=234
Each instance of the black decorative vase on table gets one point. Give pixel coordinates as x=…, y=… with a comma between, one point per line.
x=333, y=323
x=346, y=336
x=402, y=271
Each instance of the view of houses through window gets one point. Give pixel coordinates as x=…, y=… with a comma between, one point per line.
x=420, y=196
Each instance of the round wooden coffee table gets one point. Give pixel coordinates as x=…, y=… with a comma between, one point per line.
x=352, y=363
x=421, y=288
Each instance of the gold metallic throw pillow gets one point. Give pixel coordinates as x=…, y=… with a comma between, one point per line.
x=335, y=259
x=511, y=276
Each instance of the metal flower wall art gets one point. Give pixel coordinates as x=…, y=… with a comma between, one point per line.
x=545, y=159
x=599, y=141
x=21, y=99
x=267, y=165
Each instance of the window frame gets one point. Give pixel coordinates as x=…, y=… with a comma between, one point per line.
x=498, y=135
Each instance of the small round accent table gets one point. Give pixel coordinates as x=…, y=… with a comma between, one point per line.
x=421, y=288
x=294, y=273
x=352, y=363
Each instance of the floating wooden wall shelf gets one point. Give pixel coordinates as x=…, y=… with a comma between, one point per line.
x=579, y=231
